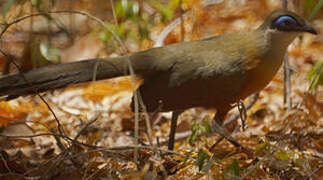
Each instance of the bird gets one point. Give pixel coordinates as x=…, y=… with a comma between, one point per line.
x=215, y=72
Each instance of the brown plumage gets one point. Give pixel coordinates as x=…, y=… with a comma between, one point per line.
x=210, y=73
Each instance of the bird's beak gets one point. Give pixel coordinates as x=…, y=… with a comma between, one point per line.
x=309, y=29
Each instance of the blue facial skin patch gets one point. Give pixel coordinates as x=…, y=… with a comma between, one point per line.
x=284, y=21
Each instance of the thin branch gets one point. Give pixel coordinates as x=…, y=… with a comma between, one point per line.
x=30, y=136
x=182, y=21
x=17, y=20
x=287, y=83
x=5, y=164
x=124, y=148
x=59, y=126
x=114, y=13
x=59, y=142
x=287, y=74
x=316, y=76
x=98, y=148
x=178, y=21
x=168, y=29
x=115, y=35
x=136, y=108
x=84, y=127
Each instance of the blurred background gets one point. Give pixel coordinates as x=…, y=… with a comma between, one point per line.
x=287, y=138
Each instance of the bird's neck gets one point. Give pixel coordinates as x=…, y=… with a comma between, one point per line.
x=272, y=47
x=277, y=44
x=280, y=40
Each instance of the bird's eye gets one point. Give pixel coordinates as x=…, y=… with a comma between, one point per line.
x=285, y=21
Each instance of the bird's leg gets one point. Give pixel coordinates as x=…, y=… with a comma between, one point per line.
x=173, y=126
x=217, y=122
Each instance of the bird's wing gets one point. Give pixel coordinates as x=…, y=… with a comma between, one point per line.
x=193, y=74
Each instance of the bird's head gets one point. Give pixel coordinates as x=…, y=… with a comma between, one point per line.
x=282, y=27
x=286, y=21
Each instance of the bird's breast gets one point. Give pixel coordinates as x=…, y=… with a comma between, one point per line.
x=260, y=76
x=262, y=61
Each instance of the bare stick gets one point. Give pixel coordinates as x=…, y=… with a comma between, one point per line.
x=98, y=148
x=147, y=120
x=287, y=83
x=287, y=79
x=182, y=21
x=84, y=127
x=114, y=13
x=284, y=129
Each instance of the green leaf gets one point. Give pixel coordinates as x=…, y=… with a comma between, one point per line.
x=263, y=147
x=192, y=137
x=201, y=158
x=165, y=12
x=143, y=32
x=122, y=8
x=233, y=171
x=210, y=162
x=283, y=155
x=37, y=3
x=106, y=35
x=49, y=52
x=186, y=159
x=315, y=76
x=127, y=9
x=199, y=129
x=6, y=7
x=173, y=4
x=119, y=9
x=316, y=9
x=194, y=129
x=207, y=126
x=208, y=165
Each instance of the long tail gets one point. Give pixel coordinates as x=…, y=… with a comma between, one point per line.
x=58, y=76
